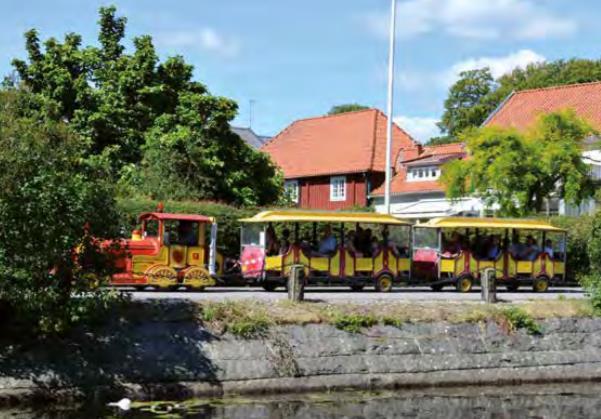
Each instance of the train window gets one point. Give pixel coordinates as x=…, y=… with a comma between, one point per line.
x=425, y=238
x=151, y=228
x=181, y=232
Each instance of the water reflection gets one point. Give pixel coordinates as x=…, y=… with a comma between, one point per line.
x=558, y=401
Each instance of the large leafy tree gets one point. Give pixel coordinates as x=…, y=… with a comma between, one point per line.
x=53, y=199
x=121, y=103
x=518, y=172
x=465, y=105
x=475, y=95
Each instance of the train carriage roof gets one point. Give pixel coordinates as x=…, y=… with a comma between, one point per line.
x=473, y=222
x=280, y=216
x=178, y=217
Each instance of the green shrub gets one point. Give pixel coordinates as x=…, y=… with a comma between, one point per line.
x=354, y=322
x=519, y=319
x=579, y=233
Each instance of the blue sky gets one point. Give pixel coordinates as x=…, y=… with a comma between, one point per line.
x=296, y=59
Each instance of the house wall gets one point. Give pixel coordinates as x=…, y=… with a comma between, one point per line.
x=315, y=192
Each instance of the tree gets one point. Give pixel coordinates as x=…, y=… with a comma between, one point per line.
x=518, y=172
x=347, y=107
x=475, y=95
x=119, y=101
x=53, y=199
x=465, y=105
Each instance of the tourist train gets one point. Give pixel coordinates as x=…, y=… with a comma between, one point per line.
x=351, y=249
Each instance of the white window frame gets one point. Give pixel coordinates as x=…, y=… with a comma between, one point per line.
x=419, y=174
x=292, y=190
x=338, y=188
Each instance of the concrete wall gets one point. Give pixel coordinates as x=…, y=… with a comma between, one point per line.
x=174, y=357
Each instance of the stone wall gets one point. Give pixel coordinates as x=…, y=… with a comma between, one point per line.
x=176, y=357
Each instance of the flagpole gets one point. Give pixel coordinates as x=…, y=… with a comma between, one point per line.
x=389, y=108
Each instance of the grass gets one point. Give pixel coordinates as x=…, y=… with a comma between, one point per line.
x=518, y=318
x=250, y=318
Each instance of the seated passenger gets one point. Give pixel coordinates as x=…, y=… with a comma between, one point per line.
x=349, y=244
x=285, y=242
x=531, y=250
x=366, y=242
x=387, y=243
x=452, y=247
x=271, y=241
x=186, y=235
x=328, y=244
x=516, y=249
x=374, y=246
x=494, y=248
x=549, y=248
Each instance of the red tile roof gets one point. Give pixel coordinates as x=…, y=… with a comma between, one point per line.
x=430, y=154
x=521, y=108
x=351, y=142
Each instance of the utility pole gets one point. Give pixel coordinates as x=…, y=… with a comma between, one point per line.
x=389, y=109
x=251, y=103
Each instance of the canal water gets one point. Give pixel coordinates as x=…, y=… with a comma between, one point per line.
x=554, y=401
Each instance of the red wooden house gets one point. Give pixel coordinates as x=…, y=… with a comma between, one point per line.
x=334, y=162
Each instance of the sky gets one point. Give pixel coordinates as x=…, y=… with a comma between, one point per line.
x=290, y=59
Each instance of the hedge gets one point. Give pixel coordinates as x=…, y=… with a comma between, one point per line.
x=227, y=218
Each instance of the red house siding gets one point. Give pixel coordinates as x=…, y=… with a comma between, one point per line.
x=315, y=192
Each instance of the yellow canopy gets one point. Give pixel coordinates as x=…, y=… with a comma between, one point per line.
x=279, y=216
x=472, y=222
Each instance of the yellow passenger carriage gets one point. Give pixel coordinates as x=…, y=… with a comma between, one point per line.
x=456, y=250
x=349, y=262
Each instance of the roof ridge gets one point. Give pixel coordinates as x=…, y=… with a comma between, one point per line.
x=445, y=145
x=309, y=118
x=558, y=87
x=275, y=137
x=413, y=140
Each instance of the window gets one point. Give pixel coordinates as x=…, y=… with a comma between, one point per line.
x=338, y=188
x=291, y=189
x=423, y=173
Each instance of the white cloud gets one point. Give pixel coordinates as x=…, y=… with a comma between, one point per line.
x=420, y=128
x=204, y=38
x=414, y=81
x=498, y=65
x=480, y=19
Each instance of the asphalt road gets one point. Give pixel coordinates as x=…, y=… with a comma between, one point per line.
x=333, y=295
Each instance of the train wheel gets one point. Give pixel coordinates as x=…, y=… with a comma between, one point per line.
x=464, y=283
x=140, y=287
x=162, y=276
x=269, y=286
x=541, y=284
x=384, y=283
x=357, y=288
x=437, y=287
x=198, y=278
x=512, y=286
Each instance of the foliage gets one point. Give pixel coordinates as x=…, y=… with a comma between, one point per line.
x=244, y=320
x=518, y=172
x=443, y=139
x=354, y=322
x=227, y=218
x=162, y=131
x=517, y=318
x=52, y=200
x=474, y=96
x=347, y=107
x=594, y=244
x=465, y=105
x=579, y=233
